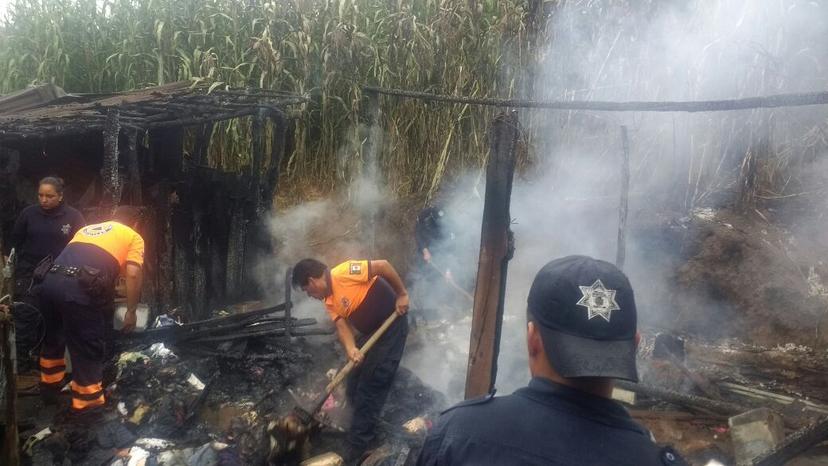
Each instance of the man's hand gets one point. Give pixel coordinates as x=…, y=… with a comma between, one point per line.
x=355, y=356
x=426, y=255
x=130, y=318
x=402, y=304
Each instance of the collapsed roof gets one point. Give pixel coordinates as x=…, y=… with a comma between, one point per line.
x=46, y=111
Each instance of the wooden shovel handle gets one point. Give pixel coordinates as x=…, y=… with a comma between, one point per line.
x=340, y=376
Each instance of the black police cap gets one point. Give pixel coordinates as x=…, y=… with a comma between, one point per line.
x=585, y=311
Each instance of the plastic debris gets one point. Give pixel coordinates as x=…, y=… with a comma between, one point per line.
x=34, y=439
x=195, y=382
x=159, y=351
x=164, y=320
x=418, y=425
x=138, y=414
x=154, y=444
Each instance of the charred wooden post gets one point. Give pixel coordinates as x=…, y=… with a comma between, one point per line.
x=201, y=148
x=795, y=444
x=109, y=170
x=621, y=247
x=254, y=239
x=257, y=148
x=370, y=155
x=277, y=152
x=496, y=249
x=10, y=454
x=167, y=146
x=236, y=247
x=134, y=168
x=288, y=302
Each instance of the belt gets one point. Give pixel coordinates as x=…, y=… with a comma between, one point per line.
x=69, y=271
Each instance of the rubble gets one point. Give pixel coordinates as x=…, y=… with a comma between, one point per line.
x=754, y=433
x=194, y=404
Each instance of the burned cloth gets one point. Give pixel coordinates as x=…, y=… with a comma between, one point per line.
x=542, y=424
x=114, y=434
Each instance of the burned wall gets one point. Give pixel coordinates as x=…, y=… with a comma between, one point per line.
x=202, y=228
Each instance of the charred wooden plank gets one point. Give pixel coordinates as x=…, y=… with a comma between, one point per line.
x=689, y=401
x=109, y=171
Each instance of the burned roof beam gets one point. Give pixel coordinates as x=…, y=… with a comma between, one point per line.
x=197, y=121
x=773, y=101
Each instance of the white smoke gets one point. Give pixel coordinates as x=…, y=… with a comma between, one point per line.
x=650, y=51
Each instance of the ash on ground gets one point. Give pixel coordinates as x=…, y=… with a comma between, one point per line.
x=199, y=406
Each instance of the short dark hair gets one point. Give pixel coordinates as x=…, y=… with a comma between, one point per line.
x=54, y=181
x=128, y=215
x=306, y=269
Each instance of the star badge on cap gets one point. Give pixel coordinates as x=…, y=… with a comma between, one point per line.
x=598, y=300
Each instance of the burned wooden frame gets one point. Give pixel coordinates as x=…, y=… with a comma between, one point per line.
x=497, y=245
x=204, y=226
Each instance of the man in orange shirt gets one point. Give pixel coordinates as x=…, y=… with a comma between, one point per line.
x=76, y=301
x=359, y=295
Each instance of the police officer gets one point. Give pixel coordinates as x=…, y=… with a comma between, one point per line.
x=76, y=294
x=581, y=334
x=437, y=265
x=40, y=231
x=359, y=296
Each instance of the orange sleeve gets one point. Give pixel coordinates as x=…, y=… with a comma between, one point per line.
x=135, y=254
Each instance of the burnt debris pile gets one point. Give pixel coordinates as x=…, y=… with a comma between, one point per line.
x=182, y=396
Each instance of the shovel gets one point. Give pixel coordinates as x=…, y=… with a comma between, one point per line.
x=301, y=419
x=452, y=283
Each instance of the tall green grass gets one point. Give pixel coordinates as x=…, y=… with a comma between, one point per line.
x=325, y=49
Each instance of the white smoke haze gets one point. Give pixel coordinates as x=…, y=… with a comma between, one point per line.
x=329, y=230
x=650, y=51
x=568, y=201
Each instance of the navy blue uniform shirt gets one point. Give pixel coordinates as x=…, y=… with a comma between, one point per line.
x=39, y=233
x=542, y=424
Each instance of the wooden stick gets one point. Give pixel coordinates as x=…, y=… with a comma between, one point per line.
x=621, y=246
x=10, y=454
x=340, y=376
x=454, y=285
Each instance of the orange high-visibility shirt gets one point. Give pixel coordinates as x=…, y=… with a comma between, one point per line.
x=350, y=282
x=118, y=240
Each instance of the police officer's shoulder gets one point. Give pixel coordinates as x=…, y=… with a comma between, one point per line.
x=481, y=400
